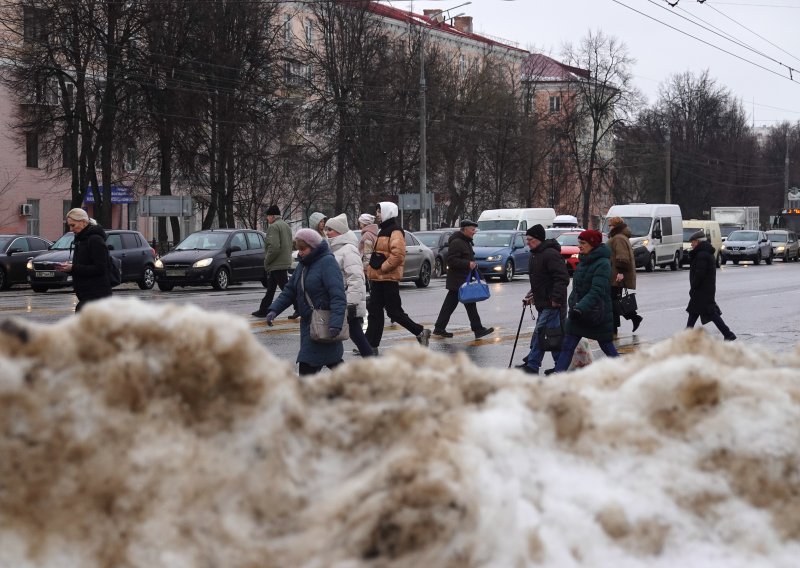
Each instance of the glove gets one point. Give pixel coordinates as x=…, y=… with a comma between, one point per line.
x=271, y=318
x=575, y=314
x=334, y=331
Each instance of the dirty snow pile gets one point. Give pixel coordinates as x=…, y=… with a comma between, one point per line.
x=142, y=435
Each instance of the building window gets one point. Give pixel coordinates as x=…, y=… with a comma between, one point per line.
x=287, y=27
x=32, y=222
x=34, y=28
x=555, y=104
x=32, y=150
x=462, y=65
x=66, y=207
x=131, y=161
x=309, y=32
x=133, y=216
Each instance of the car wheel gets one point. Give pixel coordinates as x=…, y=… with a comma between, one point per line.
x=164, y=287
x=438, y=267
x=424, y=275
x=651, y=263
x=221, y=279
x=757, y=259
x=768, y=260
x=4, y=285
x=718, y=261
x=39, y=289
x=508, y=272
x=673, y=266
x=148, y=278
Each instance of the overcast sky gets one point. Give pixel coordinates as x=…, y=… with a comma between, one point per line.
x=768, y=95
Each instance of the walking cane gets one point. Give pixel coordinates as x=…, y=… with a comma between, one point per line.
x=519, y=327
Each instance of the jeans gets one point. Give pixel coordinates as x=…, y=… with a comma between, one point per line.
x=714, y=317
x=548, y=317
x=357, y=336
x=449, y=306
x=386, y=296
x=571, y=343
x=275, y=279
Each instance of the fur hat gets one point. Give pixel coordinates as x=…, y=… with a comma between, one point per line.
x=366, y=219
x=698, y=236
x=309, y=236
x=338, y=224
x=537, y=232
x=273, y=210
x=594, y=238
x=468, y=223
x=614, y=221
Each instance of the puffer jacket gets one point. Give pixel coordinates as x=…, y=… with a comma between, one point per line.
x=325, y=286
x=90, y=264
x=391, y=242
x=622, y=259
x=590, y=285
x=548, y=275
x=345, y=250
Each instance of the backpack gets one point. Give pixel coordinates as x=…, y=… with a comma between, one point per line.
x=114, y=270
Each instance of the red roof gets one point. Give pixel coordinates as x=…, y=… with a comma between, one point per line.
x=543, y=68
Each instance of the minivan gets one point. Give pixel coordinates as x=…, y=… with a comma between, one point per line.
x=515, y=219
x=713, y=236
x=656, y=233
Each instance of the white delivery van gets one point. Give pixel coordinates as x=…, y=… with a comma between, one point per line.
x=656, y=233
x=516, y=219
x=713, y=235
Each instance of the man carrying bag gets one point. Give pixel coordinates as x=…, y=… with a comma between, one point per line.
x=549, y=280
x=460, y=264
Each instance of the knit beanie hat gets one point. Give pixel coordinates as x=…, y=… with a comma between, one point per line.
x=366, y=219
x=594, y=238
x=537, y=232
x=273, y=210
x=309, y=236
x=338, y=224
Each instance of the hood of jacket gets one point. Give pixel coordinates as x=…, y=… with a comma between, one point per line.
x=547, y=244
x=389, y=210
x=314, y=219
x=348, y=238
x=598, y=252
x=89, y=231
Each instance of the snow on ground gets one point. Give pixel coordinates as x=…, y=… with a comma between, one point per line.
x=144, y=435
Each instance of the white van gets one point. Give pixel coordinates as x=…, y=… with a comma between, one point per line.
x=516, y=219
x=713, y=235
x=656, y=233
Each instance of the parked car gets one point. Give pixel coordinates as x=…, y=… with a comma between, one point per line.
x=784, y=244
x=437, y=240
x=570, y=249
x=501, y=253
x=747, y=245
x=419, y=262
x=137, y=257
x=216, y=257
x=15, y=251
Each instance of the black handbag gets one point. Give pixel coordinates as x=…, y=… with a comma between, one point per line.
x=376, y=260
x=551, y=338
x=627, y=304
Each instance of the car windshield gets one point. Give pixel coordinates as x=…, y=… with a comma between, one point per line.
x=777, y=237
x=203, y=241
x=748, y=236
x=492, y=239
x=497, y=224
x=4, y=241
x=428, y=239
x=64, y=242
x=726, y=231
x=688, y=232
x=568, y=240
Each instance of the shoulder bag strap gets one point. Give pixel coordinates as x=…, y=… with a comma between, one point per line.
x=303, y=284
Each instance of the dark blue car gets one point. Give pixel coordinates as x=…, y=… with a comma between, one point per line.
x=501, y=253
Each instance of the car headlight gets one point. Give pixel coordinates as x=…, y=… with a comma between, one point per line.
x=574, y=255
x=203, y=263
x=159, y=264
x=645, y=242
x=493, y=258
x=781, y=248
x=751, y=247
x=29, y=266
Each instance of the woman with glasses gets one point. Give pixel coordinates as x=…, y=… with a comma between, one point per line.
x=89, y=264
x=590, y=312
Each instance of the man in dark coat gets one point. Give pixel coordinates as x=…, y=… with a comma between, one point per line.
x=703, y=286
x=460, y=262
x=548, y=294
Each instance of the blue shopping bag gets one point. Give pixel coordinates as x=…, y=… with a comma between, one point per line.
x=472, y=291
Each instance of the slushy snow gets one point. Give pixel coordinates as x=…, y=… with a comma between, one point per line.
x=147, y=435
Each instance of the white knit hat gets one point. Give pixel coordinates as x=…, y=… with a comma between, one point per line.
x=338, y=224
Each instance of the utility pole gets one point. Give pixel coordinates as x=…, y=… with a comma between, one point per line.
x=667, y=188
x=786, y=174
x=423, y=140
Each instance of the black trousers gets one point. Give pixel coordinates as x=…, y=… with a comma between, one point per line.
x=275, y=279
x=386, y=296
x=306, y=369
x=449, y=306
x=616, y=294
x=714, y=317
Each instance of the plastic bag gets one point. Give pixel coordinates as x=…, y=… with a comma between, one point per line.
x=582, y=356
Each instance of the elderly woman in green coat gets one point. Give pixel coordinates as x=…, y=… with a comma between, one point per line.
x=590, y=312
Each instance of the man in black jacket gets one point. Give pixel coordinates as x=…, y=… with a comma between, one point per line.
x=703, y=286
x=460, y=262
x=549, y=280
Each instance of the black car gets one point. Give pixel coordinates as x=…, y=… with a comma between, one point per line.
x=437, y=240
x=15, y=251
x=138, y=261
x=217, y=257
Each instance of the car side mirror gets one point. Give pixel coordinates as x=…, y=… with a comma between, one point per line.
x=656, y=234
x=110, y=247
x=14, y=250
x=233, y=249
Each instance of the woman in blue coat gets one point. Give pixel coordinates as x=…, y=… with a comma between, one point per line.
x=324, y=284
x=590, y=312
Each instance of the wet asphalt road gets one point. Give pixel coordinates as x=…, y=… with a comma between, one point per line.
x=759, y=303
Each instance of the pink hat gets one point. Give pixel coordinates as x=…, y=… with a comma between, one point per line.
x=309, y=236
x=594, y=238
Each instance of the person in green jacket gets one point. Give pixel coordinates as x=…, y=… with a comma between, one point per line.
x=590, y=312
x=277, y=257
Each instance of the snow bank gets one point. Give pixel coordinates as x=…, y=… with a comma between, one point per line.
x=142, y=435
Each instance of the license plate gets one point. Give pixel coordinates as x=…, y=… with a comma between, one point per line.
x=176, y=273
x=45, y=274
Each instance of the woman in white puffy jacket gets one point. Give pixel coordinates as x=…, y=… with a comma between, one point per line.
x=344, y=245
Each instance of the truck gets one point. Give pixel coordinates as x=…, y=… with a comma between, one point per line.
x=734, y=218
